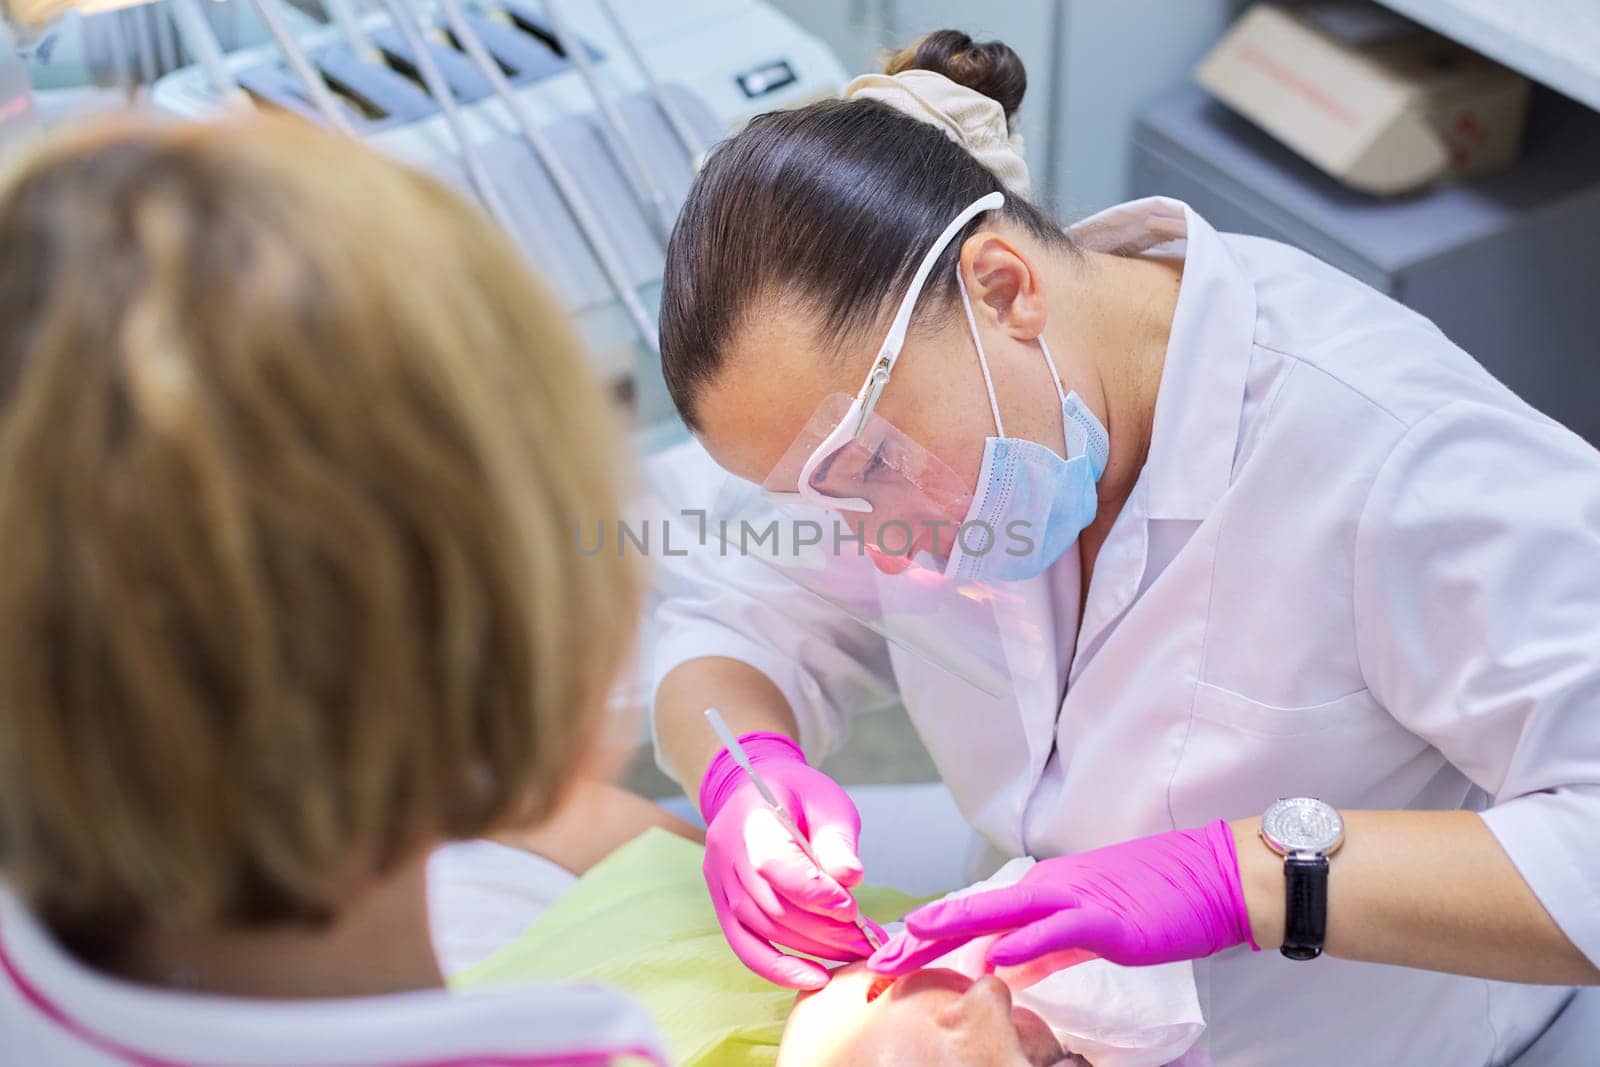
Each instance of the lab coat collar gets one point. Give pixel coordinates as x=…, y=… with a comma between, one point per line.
x=1201, y=399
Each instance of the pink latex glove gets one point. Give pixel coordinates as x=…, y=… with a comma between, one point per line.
x=1171, y=896
x=765, y=891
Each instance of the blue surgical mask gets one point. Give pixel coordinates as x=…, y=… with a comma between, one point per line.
x=1031, y=504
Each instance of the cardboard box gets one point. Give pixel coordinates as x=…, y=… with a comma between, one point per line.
x=1378, y=102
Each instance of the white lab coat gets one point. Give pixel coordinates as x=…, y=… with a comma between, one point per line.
x=1354, y=567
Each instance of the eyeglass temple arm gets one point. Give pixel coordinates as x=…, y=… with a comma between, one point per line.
x=896, y=339
x=867, y=398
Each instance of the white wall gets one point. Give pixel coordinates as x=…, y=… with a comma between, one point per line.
x=1090, y=65
x=1116, y=54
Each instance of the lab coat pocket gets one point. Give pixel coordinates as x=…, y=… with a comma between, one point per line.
x=1228, y=708
x=1240, y=755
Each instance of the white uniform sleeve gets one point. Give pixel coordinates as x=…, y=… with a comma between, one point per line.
x=482, y=895
x=1477, y=599
x=827, y=665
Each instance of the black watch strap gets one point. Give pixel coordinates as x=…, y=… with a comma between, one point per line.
x=1305, y=884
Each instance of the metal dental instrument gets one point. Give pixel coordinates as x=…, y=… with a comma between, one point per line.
x=400, y=14
x=607, y=108
x=298, y=61
x=680, y=125
x=577, y=203
x=742, y=758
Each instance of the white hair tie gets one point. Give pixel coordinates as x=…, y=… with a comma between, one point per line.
x=969, y=118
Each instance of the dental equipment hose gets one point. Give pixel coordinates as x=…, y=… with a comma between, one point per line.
x=198, y=38
x=582, y=213
x=301, y=65
x=675, y=117
x=578, y=53
x=344, y=16
x=401, y=15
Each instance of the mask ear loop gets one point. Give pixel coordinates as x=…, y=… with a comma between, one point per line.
x=983, y=360
x=983, y=363
x=1055, y=375
x=1055, y=379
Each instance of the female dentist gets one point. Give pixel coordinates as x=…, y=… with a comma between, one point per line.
x=1290, y=542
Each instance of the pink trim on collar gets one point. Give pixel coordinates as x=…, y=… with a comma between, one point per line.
x=597, y=1057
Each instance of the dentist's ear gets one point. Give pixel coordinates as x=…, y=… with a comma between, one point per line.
x=1003, y=285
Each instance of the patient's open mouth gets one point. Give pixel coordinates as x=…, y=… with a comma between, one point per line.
x=878, y=987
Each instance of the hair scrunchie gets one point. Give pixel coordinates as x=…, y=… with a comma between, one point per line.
x=969, y=118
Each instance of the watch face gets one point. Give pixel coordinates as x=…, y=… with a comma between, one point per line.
x=1302, y=824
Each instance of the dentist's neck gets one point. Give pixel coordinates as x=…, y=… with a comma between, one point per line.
x=1114, y=340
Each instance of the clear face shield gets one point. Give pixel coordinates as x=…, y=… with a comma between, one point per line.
x=864, y=516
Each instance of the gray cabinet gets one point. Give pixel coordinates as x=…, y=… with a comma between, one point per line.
x=1506, y=264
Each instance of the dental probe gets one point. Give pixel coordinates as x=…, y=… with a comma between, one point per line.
x=742, y=758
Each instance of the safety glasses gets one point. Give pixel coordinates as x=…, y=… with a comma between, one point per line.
x=853, y=426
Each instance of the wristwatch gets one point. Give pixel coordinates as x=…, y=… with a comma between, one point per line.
x=1305, y=832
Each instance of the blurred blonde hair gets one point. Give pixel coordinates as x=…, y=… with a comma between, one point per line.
x=291, y=452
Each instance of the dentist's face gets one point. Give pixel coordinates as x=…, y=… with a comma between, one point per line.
x=762, y=404
x=779, y=395
x=780, y=371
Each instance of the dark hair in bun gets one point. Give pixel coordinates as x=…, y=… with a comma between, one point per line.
x=990, y=67
x=835, y=203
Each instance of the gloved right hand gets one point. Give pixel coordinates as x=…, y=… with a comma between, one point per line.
x=766, y=892
x=1170, y=896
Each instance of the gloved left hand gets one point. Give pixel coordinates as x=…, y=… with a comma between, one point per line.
x=1157, y=899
